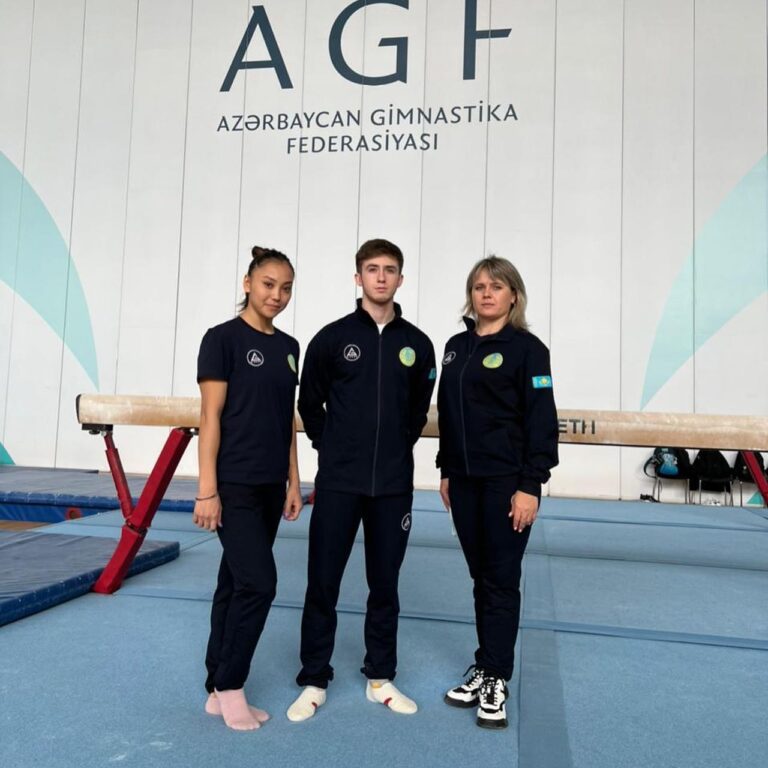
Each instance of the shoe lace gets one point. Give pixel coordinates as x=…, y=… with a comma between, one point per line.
x=490, y=689
x=477, y=675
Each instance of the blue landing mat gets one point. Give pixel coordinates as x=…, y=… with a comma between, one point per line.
x=39, y=570
x=54, y=495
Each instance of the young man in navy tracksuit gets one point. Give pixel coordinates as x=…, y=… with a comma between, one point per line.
x=364, y=395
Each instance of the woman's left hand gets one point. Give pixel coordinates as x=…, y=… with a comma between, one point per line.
x=293, y=502
x=523, y=510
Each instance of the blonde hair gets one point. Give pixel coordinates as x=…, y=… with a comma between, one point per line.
x=503, y=271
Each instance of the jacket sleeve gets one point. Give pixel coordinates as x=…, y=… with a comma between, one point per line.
x=423, y=386
x=314, y=388
x=541, y=425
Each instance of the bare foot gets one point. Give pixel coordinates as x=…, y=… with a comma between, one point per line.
x=235, y=711
x=213, y=707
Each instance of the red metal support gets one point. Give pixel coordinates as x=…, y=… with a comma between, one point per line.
x=118, y=475
x=757, y=474
x=140, y=518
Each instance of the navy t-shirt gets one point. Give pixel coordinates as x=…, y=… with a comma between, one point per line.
x=257, y=421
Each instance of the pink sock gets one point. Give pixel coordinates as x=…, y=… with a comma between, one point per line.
x=213, y=707
x=235, y=710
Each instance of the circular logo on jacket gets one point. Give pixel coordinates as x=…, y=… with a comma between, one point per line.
x=352, y=353
x=255, y=358
x=407, y=356
x=449, y=358
x=493, y=361
x=405, y=523
x=292, y=363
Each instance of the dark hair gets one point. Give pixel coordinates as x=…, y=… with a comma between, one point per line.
x=371, y=248
x=259, y=257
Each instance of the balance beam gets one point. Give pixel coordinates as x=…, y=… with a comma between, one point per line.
x=99, y=413
x=622, y=428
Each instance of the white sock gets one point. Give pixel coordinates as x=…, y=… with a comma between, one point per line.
x=306, y=705
x=385, y=693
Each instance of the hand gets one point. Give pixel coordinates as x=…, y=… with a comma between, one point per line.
x=293, y=502
x=444, y=493
x=523, y=509
x=207, y=514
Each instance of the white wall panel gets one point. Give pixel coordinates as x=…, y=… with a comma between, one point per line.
x=15, y=45
x=730, y=140
x=453, y=188
x=657, y=236
x=152, y=240
x=586, y=234
x=98, y=219
x=520, y=153
x=51, y=142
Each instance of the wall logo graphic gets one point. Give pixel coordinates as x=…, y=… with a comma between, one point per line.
x=35, y=263
x=398, y=128
x=352, y=353
x=724, y=274
x=255, y=358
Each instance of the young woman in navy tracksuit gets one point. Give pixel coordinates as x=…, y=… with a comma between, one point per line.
x=498, y=441
x=247, y=371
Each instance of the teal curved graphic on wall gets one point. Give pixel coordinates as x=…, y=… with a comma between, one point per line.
x=727, y=271
x=5, y=457
x=36, y=264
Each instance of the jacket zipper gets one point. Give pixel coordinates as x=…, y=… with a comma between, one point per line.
x=461, y=407
x=378, y=419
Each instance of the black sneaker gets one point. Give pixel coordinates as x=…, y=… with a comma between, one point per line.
x=492, y=695
x=465, y=695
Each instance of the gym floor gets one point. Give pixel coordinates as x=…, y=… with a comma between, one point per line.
x=644, y=642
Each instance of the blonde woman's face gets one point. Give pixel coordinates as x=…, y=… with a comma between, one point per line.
x=492, y=299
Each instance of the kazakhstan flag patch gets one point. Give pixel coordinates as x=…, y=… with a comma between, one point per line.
x=542, y=382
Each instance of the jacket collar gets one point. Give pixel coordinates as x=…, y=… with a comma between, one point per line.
x=505, y=334
x=361, y=314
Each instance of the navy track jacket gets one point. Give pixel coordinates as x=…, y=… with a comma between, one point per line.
x=497, y=414
x=364, y=398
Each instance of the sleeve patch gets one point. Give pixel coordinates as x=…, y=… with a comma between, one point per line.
x=432, y=374
x=542, y=382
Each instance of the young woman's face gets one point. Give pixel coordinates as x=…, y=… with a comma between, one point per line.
x=491, y=298
x=269, y=288
x=379, y=278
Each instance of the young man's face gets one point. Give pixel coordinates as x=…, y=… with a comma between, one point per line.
x=379, y=278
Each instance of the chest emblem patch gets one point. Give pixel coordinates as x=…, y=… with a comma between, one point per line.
x=292, y=363
x=352, y=353
x=542, y=382
x=407, y=356
x=254, y=358
x=449, y=358
x=494, y=360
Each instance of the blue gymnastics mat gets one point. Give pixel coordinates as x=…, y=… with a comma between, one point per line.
x=40, y=570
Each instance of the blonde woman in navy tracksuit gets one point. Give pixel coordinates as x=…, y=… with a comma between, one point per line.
x=498, y=442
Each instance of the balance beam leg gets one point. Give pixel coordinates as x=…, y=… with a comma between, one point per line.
x=137, y=524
